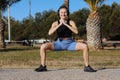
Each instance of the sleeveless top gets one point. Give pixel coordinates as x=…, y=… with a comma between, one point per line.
x=63, y=31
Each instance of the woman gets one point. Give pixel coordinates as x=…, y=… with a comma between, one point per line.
x=64, y=27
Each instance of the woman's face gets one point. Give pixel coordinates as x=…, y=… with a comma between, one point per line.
x=63, y=13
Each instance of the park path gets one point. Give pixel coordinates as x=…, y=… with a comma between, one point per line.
x=59, y=74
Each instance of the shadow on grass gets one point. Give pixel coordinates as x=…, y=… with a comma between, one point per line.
x=20, y=48
x=109, y=48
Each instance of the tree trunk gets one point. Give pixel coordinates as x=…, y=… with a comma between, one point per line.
x=2, y=43
x=66, y=3
x=93, y=31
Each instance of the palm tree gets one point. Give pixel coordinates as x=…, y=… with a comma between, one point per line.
x=3, y=6
x=93, y=25
x=66, y=3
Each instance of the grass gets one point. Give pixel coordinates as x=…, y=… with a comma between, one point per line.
x=28, y=57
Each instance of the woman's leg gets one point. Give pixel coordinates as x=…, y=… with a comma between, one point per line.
x=84, y=47
x=43, y=48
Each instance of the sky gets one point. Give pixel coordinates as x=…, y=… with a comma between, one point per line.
x=20, y=10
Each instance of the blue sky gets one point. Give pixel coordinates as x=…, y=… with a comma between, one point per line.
x=20, y=10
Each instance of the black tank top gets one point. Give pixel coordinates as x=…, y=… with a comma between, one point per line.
x=63, y=31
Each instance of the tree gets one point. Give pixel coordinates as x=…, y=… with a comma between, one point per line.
x=93, y=25
x=106, y=12
x=110, y=21
x=3, y=6
x=80, y=17
x=48, y=18
x=66, y=3
x=114, y=21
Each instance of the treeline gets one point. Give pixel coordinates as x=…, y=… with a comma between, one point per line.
x=37, y=27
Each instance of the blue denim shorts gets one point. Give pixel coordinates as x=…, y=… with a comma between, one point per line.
x=60, y=44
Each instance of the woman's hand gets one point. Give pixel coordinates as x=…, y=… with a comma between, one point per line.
x=63, y=21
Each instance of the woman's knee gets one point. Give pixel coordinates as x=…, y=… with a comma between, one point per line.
x=43, y=46
x=85, y=46
x=46, y=46
x=82, y=46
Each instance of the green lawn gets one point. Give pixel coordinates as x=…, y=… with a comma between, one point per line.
x=28, y=57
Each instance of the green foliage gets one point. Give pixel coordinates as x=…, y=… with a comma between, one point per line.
x=16, y=27
x=37, y=27
x=48, y=19
x=80, y=18
x=110, y=17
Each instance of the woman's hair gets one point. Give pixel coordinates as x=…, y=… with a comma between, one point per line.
x=61, y=7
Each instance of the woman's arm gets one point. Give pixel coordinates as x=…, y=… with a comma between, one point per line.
x=72, y=26
x=54, y=27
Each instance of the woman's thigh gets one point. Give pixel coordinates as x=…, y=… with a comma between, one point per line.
x=81, y=46
x=47, y=46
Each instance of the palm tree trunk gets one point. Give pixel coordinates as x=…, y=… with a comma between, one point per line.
x=2, y=43
x=93, y=31
x=66, y=3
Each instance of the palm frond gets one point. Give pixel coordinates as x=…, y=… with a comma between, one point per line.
x=10, y=2
x=4, y=4
x=94, y=4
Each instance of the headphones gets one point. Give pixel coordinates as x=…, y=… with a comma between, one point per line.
x=64, y=8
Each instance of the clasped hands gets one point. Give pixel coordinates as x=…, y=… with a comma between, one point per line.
x=63, y=22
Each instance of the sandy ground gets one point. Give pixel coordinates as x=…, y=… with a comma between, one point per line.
x=59, y=74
